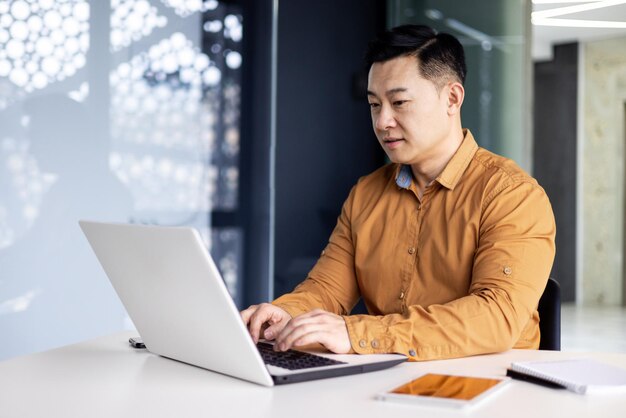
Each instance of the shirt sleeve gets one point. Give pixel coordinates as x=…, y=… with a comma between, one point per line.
x=511, y=267
x=331, y=285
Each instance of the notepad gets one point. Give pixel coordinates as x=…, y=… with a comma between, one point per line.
x=579, y=375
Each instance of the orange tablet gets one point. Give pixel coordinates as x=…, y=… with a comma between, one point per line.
x=445, y=390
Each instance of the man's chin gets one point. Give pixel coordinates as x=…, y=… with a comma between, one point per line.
x=397, y=159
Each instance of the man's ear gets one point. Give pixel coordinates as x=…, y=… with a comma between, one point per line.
x=456, y=94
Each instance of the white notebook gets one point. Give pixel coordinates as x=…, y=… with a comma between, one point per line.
x=579, y=375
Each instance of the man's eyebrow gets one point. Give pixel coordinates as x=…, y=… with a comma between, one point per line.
x=389, y=92
x=396, y=90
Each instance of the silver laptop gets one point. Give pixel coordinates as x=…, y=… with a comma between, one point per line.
x=179, y=303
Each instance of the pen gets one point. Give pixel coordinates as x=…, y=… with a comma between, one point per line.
x=532, y=379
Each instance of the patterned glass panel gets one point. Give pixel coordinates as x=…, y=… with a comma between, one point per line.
x=144, y=130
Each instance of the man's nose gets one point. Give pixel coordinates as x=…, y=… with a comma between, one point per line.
x=385, y=119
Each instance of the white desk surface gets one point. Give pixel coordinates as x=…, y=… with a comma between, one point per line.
x=105, y=377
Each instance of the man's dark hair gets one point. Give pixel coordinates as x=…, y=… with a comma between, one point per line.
x=440, y=56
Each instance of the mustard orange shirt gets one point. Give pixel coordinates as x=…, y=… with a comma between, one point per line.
x=457, y=273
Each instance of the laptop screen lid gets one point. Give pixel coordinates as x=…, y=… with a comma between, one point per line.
x=179, y=303
x=176, y=297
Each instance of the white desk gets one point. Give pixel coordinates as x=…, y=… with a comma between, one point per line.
x=107, y=378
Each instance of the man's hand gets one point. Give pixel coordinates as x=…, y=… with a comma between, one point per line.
x=265, y=316
x=317, y=326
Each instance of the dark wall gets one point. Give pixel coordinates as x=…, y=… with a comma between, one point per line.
x=554, y=154
x=254, y=198
x=324, y=137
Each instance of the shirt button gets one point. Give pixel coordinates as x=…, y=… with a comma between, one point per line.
x=412, y=353
x=508, y=270
x=375, y=344
x=362, y=343
x=402, y=295
x=411, y=250
x=323, y=252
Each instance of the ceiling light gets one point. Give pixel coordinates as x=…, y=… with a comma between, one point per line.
x=559, y=11
x=577, y=23
x=563, y=1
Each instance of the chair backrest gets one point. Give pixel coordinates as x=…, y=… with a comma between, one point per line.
x=550, y=316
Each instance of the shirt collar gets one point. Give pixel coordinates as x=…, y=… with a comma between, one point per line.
x=453, y=171
x=461, y=159
x=404, y=176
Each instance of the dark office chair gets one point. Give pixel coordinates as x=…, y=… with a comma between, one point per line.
x=550, y=317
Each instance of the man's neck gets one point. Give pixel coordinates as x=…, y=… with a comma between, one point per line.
x=425, y=172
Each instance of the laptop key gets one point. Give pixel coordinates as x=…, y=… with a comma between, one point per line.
x=292, y=359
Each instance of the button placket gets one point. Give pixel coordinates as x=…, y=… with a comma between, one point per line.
x=409, y=237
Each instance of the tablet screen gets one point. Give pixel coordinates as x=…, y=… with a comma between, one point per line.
x=447, y=387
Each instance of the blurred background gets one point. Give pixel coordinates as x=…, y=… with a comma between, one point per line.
x=248, y=120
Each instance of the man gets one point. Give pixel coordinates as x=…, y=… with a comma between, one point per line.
x=450, y=246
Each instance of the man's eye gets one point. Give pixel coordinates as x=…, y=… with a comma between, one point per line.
x=399, y=102
x=374, y=105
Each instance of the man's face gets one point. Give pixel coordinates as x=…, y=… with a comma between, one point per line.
x=409, y=116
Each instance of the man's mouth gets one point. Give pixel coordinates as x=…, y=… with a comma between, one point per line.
x=392, y=140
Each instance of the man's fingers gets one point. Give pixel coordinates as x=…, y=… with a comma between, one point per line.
x=319, y=337
x=324, y=328
x=276, y=323
x=296, y=323
x=287, y=341
x=272, y=331
x=301, y=325
x=260, y=316
x=275, y=317
x=247, y=313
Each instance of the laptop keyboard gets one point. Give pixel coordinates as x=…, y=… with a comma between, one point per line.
x=292, y=359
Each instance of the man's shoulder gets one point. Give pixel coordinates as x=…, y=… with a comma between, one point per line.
x=378, y=178
x=372, y=186
x=501, y=169
x=501, y=177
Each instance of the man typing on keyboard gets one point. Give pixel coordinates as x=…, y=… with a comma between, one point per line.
x=450, y=246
